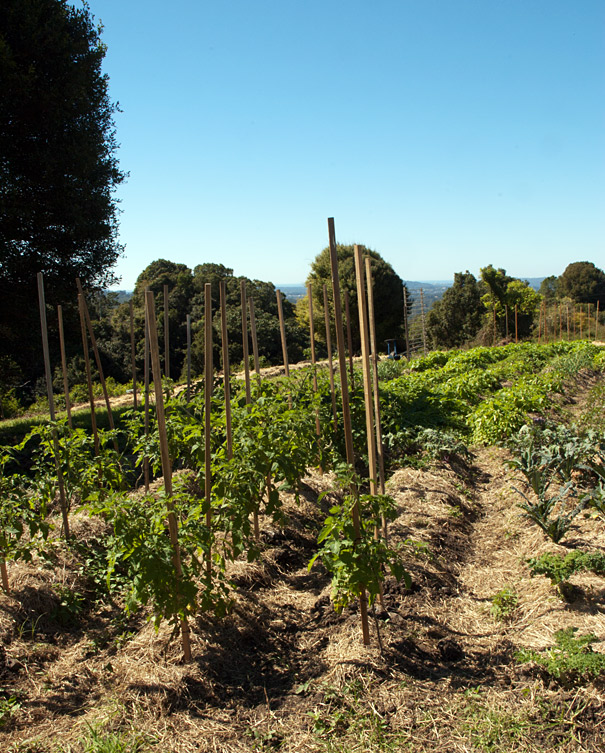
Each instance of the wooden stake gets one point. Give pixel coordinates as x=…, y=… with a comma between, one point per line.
x=423, y=321
x=568, y=321
x=95, y=350
x=188, y=357
x=226, y=367
x=64, y=366
x=255, y=357
x=588, y=320
x=166, y=464
x=329, y=346
x=284, y=346
x=4, y=572
x=208, y=381
x=51, y=404
x=365, y=362
x=363, y=605
x=313, y=356
x=596, y=323
x=405, y=322
x=374, y=355
x=166, y=334
x=516, y=325
x=245, y=340
x=147, y=380
x=91, y=398
x=133, y=356
x=349, y=339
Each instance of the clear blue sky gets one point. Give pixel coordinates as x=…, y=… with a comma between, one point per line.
x=445, y=134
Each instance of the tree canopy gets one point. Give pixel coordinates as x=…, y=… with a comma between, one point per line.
x=58, y=164
x=458, y=316
x=388, y=292
x=583, y=282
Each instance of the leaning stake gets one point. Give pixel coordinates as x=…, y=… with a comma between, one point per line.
x=166, y=465
x=346, y=413
x=51, y=403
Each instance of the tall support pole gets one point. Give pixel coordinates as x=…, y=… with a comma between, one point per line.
x=365, y=363
x=405, y=322
x=254, y=340
x=349, y=338
x=284, y=345
x=91, y=397
x=568, y=321
x=516, y=324
x=245, y=340
x=146, y=377
x=506, y=317
x=64, y=366
x=423, y=321
x=329, y=346
x=51, y=404
x=226, y=367
x=188, y=357
x=208, y=383
x=166, y=463
x=132, y=356
x=596, y=323
x=166, y=333
x=374, y=356
x=588, y=320
x=363, y=606
x=95, y=350
x=313, y=356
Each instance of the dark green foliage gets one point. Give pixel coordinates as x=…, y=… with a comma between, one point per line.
x=583, y=282
x=358, y=562
x=58, y=169
x=457, y=317
x=559, y=569
x=571, y=660
x=388, y=293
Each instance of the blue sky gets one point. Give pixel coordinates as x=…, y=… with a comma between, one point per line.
x=445, y=134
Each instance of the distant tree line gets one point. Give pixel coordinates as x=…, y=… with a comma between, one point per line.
x=473, y=311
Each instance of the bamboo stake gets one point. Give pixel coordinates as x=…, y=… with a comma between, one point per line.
x=516, y=325
x=254, y=341
x=282, y=330
x=166, y=463
x=208, y=379
x=226, y=368
x=588, y=320
x=64, y=366
x=244, y=305
x=365, y=362
x=95, y=350
x=313, y=356
x=146, y=395
x=568, y=321
x=494, y=313
x=91, y=399
x=349, y=339
x=596, y=323
x=51, y=404
x=245, y=340
x=506, y=318
x=363, y=606
x=132, y=356
x=581, y=312
x=329, y=346
x=166, y=334
x=374, y=352
x=423, y=321
x=4, y=572
x=405, y=322
x=284, y=346
x=188, y=325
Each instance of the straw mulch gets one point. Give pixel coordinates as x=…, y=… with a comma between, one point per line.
x=283, y=671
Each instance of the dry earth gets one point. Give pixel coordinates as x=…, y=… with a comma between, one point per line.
x=284, y=672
